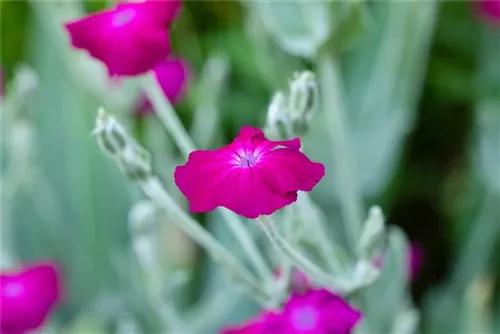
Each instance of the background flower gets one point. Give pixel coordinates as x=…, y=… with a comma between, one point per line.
x=130, y=39
x=173, y=76
x=489, y=10
x=28, y=297
x=314, y=312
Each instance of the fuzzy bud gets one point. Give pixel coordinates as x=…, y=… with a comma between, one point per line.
x=134, y=160
x=302, y=101
x=373, y=235
x=278, y=116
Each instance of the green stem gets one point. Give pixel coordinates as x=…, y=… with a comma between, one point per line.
x=155, y=191
x=326, y=248
x=174, y=126
x=310, y=269
x=350, y=197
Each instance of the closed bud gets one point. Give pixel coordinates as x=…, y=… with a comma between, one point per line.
x=364, y=274
x=373, y=235
x=278, y=119
x=110, y=134
x=302, y=101
x=134, y=160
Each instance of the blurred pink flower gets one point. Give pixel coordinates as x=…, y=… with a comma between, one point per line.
x=251, y=176
x=315, y=312
x=28, y=297
x=489, y=10
x=130, y=39
x=415, y=256
x=173, y=76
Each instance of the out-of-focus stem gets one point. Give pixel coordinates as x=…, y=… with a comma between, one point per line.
x=174, y=126
x=310, y=269
x=350, y=198
x=326, y=248
x=155, y=191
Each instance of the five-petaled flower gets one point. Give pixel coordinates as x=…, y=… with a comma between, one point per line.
x=315, y=312
x=28, y=297
x=251, y=176
x=172, y=76
x=130, y=39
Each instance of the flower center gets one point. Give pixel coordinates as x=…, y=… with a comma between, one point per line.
x=13, y=289
x=123, y=17
x=248, y=160
x=305, y=318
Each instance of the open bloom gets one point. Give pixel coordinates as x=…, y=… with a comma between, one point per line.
x=315, y=312
x=173, y=76
x=251, y=176
x=489, y=10
x=28, y=297
x=130, y=38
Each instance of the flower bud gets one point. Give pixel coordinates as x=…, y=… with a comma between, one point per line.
x=373, y=235
x=302, y=101
x=278, y=116
x=110, y=134
x=134, y=160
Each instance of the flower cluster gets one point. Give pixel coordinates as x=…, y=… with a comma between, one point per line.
x=251, y=176
x=28, y=297
x=314, y=312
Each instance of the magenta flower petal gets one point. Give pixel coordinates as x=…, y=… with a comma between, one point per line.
x=173, y=76
x=254, y=326
x=315, y=312
x=415, y=260
x=130, y=39
x=319, y=311
x=252, y=176
x=489, y=10
x=28, y=297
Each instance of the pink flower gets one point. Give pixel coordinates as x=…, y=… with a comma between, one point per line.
x=173, y=76
x=28, y=297
x=251, y=176
x=414, y=260
x=315, y=312
x=489, y=10
x=130, y=39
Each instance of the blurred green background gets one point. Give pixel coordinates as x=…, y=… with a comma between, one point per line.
x=435, y=138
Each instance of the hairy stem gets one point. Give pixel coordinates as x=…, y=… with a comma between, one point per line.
x=174, y=126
